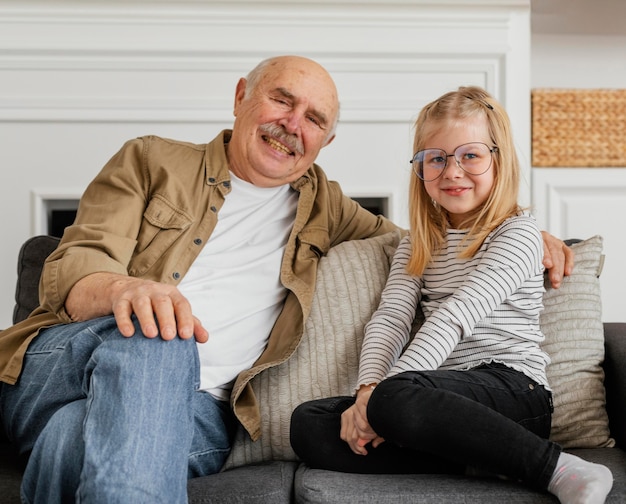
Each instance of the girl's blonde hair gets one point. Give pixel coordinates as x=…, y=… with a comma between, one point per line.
x=429, y=221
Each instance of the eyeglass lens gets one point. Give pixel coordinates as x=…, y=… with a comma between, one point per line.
x=473, y=158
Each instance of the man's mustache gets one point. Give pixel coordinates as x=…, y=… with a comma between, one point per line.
x=278, y=133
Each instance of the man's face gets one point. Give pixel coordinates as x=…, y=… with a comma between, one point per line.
x=281, y=125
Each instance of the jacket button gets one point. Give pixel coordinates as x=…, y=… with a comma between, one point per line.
x=213, y=209
x=198, y=241
x=176, y=275
x=211, y=180
x=531, y=386
x=226, y=183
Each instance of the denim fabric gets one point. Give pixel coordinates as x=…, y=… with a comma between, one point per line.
x=112, y=419
x=491, y=418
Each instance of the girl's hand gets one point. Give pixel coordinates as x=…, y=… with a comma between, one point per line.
x=355, y=429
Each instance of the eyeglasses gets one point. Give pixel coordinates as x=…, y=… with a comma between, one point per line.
x=473, y=158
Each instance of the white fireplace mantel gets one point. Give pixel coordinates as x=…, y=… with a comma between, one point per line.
x=78, y=78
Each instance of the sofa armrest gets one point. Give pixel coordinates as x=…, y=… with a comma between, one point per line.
x=615, y=379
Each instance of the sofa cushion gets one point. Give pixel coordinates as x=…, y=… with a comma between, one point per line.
x=265, y=483
x=572, y=324
x=328, y=487
x=30, y=261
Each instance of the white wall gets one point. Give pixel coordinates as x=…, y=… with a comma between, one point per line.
x=578, y=61
x=78, y=78
x=580, y=202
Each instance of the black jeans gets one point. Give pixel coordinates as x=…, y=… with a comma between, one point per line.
x=491, y=418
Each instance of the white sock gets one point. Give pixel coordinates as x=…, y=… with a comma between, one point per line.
x=576, y=481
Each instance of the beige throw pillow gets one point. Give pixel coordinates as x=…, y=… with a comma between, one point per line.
x=572, y=324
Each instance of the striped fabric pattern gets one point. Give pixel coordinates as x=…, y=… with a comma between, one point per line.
x=478, y=310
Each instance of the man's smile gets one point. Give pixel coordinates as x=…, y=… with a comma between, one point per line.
x=275, y=144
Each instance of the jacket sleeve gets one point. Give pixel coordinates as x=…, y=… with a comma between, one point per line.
x=103, y=236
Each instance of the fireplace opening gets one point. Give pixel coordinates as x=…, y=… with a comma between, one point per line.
x=58, y=220
x=375, y=204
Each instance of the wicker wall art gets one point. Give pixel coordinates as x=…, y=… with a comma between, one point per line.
x=579, y=127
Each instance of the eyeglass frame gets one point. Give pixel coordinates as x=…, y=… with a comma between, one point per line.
x=491, y=150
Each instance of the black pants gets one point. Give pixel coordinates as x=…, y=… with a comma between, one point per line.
x=491, y=418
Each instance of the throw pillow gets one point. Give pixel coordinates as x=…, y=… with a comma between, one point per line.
x=574, y=339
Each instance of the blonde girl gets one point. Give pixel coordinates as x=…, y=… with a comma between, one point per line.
x=468, y=391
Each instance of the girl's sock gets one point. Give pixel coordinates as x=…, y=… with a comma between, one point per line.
x=576, y=481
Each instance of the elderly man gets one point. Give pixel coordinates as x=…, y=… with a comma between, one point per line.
x=188, y=270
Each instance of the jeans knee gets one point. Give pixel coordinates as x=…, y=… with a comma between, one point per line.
x=315, y=425
x=141, y=355
x=401, y=404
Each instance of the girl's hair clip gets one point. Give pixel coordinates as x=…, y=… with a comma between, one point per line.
x=480, y=101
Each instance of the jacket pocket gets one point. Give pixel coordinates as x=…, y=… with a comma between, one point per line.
x=162, y=225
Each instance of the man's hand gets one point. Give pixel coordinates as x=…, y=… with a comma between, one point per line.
x=159, y=308
x=355, y=429
x=558, y=259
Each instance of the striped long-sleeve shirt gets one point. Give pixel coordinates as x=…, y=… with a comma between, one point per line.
x=478, y=310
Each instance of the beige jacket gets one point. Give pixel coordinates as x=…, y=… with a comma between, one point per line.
x=148, y=214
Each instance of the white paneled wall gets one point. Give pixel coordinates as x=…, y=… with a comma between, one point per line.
x=78, y=78
x=583, y=202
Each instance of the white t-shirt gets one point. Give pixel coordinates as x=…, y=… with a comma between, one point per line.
x=234, y=284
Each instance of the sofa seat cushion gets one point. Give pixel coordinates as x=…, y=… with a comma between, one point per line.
x=328, y=487
x=265, y=483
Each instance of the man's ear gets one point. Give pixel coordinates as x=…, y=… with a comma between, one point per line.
x=240, y=93
x=329, y=140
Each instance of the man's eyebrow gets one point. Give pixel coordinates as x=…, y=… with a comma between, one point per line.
x=321, y=117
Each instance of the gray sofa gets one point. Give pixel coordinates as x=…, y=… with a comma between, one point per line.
x=265, y=478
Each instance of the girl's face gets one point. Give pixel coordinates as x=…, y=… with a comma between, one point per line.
x=455, y=190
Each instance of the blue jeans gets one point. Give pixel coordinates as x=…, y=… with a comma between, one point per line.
x=109, y=419
x=491, y=418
